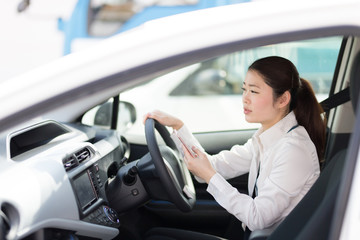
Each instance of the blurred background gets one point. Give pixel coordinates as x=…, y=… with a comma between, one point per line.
x=30, y=38
x=35, y=32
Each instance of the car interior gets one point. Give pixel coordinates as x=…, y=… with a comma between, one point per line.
x=95, y=178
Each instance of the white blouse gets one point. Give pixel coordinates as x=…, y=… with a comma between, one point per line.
x=288, y=163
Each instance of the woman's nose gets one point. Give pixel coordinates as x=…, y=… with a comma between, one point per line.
x=245, y=97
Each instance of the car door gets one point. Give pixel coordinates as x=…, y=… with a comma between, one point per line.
x=207, y=97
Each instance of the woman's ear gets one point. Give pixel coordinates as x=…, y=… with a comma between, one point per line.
x=284, y=99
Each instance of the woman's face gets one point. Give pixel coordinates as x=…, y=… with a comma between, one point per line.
x=258, y=101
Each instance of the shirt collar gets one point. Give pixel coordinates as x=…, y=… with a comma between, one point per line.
x=273, y=134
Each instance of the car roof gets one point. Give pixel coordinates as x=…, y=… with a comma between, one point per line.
x=75, y=82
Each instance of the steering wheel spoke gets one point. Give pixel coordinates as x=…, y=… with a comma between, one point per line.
x=171, y=170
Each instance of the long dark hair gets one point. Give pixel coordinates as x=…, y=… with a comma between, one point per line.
x=281, y=75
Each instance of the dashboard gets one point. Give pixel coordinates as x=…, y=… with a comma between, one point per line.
x=54, y=180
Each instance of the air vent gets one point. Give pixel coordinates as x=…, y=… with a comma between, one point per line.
x=9, y=221
x=5, y=223
x=70, y=162
x=76, y=158
x=83, y=155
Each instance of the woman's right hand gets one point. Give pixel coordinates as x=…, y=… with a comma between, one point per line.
x=164, y=119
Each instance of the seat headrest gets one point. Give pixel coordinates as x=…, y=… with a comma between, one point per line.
x=355, y=82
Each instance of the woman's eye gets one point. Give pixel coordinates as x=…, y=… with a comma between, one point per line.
x=249, y=90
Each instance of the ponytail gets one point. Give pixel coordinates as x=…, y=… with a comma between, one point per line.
x=281, y=75
x=308, y=113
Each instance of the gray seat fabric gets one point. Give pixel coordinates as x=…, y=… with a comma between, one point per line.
x=311, y=218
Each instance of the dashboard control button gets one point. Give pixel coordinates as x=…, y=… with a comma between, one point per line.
x=135, y=192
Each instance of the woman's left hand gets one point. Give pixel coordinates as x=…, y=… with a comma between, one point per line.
x=199, y=165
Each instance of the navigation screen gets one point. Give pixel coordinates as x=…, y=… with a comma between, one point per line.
x=84, y=190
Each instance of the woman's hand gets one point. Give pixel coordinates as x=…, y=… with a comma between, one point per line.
x=164, y=119
x=199, y=165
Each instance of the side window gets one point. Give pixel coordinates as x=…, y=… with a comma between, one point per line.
x=218, y=76
x=207, y=95
x=315, y=60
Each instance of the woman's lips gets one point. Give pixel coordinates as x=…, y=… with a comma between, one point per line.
x=246, y=111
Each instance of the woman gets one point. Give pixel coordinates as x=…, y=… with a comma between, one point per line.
x=282, y=158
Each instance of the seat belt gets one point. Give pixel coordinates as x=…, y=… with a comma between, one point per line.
x=337, y=99
x=331, y=102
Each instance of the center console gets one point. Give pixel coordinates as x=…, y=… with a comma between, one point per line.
x=93, y=208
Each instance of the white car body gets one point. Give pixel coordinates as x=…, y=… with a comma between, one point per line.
x=178, y=35
x=66, y=88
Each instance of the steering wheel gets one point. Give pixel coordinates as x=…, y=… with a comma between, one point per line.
x=170, y=167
